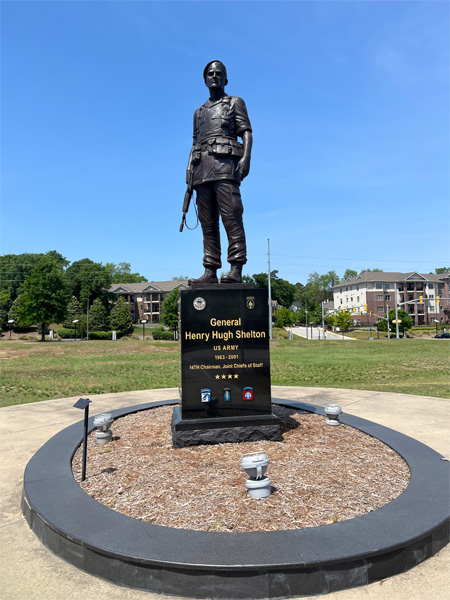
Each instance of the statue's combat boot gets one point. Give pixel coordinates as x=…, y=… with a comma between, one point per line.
x=209, y=276
x=235, y=274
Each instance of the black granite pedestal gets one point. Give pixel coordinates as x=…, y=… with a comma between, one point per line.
x=225, y=367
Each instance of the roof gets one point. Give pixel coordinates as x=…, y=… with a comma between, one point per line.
x=391, y=277
x=146, y=286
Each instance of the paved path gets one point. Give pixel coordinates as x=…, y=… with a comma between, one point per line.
x=28, y=571
x=317, y=334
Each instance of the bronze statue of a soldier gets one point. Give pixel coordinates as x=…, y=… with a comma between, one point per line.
x=217, y=165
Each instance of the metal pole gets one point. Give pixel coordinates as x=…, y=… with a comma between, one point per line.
x=306, y=317
x=397, y=334
x=86, y=419
x=387, y=321
x=323, y=320
x=270, y=291
x=87, y=320
x=143, y=331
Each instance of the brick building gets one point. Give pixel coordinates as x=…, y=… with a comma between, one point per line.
x=144, y=299
x=374, y=292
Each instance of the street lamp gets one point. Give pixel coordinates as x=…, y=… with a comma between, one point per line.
x=143, y=321
x=10, y=322
x=435, y=320
x=75, y=323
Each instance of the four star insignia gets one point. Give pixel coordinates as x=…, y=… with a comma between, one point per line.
x=230, y=376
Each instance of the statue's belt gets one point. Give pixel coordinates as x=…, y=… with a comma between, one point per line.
x=220, y=146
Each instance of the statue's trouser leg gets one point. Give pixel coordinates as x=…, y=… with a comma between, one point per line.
x=208, y=214
x=230, y=207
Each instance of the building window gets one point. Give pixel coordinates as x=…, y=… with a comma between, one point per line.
x=340, y=290
x=410, y=296
x=387, y=286
x=351, y=298
x=388, y=297
x=431, y=286
x=379, y=297
x=431, y=309
x=357, y=298
x=341, y=300
x=357, y=287
x=430, y=295
x=379, y=286
x=380, y=309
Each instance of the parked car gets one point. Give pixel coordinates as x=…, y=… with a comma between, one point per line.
x=442, y=335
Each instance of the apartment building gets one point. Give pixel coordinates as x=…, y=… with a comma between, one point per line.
x=144, y=299
x=374, y=292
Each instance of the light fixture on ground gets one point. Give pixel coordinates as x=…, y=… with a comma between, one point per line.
x=83, y=404
x=75, y=323
x=143, y=321
x=255, y=465
x=11, y=321
x=103, y=423
x=333, y=412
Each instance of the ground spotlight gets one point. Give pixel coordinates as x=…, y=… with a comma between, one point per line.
x=255, y=465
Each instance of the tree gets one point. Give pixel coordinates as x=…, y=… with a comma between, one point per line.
x=98, y=317
x=14, y=313
x=282, y=291
x=406, y=321
x=371, y=271
x=169, y=309
x=45, y=295
x=180, y=278
x=343, y=320
x=120, y=318
x=441, y=270
x=88, y=280
x=284, y=317
x=299, y=290
x=14, y=270
x=319, y=288
x=349, y=273
x=121, y=273
x=73, y=312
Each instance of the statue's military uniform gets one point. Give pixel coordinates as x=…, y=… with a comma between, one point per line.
x=215, y=155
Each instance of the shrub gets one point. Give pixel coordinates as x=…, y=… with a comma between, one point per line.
x=65, y=333
x=100, y=335
x=284, y=317
x=159, y=333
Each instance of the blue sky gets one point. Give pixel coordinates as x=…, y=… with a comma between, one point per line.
x=349, y=103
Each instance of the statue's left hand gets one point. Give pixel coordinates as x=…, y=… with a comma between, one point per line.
x=244, y=167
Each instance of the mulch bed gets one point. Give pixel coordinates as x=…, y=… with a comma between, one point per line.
x=319, y=474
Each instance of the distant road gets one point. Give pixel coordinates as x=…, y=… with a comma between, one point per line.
x=317, y=333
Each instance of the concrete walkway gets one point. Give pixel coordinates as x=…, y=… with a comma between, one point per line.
x=28, y=571
x=316, y=333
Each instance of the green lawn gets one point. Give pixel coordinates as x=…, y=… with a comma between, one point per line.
x=33, y=371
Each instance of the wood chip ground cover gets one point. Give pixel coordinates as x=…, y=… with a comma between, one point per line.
x=319, y=475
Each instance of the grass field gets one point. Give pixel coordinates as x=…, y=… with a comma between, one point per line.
x=33, y=371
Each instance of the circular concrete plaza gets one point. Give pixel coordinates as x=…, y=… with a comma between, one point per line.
x=276, y=564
